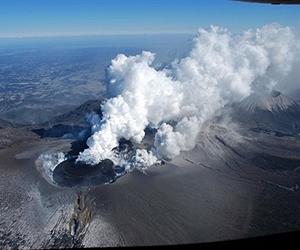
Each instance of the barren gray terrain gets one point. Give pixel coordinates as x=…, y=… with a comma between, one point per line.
x=236, y=183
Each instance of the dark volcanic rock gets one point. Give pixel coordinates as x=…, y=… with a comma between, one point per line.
x=267, y=161
x=71, y=125
x=60, y=130
x=71, y=173
x=78, y=115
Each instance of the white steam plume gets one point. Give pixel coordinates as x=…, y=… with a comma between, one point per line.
x=46, y=164
x=221, y=68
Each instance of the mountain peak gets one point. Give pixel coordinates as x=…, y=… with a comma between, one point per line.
x=274, y=102
x=275, y=93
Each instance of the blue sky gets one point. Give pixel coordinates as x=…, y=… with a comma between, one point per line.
x=82, y=17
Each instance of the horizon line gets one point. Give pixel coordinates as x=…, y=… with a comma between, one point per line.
x=21, y=36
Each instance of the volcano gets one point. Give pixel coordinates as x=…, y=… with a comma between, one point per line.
x=224, y=177
x=271, y=112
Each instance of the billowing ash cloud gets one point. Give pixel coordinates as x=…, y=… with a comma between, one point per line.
x=221, y=68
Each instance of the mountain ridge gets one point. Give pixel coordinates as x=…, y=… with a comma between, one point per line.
x=274, y=112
